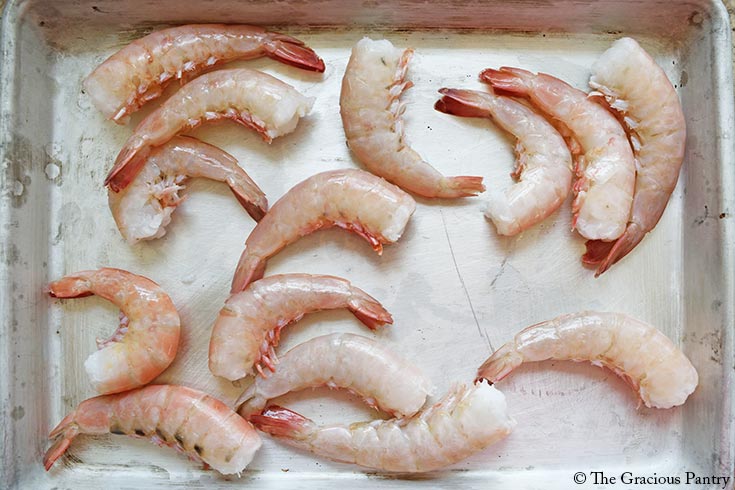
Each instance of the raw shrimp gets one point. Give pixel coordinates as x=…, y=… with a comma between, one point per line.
x=606, y=170
x=249, y=97
x=141, y=70
x=192, y=422
x=351, y=199
x=143, y=209
x=633, y=84
x=249, y=325
x=464, y=422
x=371, y=115
x=342, y=360
x=637, y=352
x=543, y=165
x=146, y=341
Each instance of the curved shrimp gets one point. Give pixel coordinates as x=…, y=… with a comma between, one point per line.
x=351, y=199
x=249, y=325
x=252, y=98
x=192, y=422
x=140, y=71
x=606, y=170
x=143, y=209
x=633, y=84
x=543, y=165
x=637, y=352
x=147, y=339
x=371, y=115
x=464, y=422
x=361, y=365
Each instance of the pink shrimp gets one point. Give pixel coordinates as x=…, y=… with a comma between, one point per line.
x=371, y=115
x=351, y=199
x=249, y=97
x=147, y=339
x=141, y=70
x=249, y=325
x=190, y=421
x=633, y=84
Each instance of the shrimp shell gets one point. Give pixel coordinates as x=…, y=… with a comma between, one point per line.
x=147, y=339
x=249, y=325
x=342, y=360
x=464, y=422
x=371, y=115
x=606, y=170
x=351, y=199
x=543, y=164
x=143, y=209
x=633, y=84
x=249, y=97
x=636, y=351
x=140, y=71
x=190, y=421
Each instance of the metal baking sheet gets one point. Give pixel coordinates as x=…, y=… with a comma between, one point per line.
x=456, y=289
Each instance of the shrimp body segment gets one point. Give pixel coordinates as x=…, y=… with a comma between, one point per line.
x=141, y=70
x=147, y=339
x=633, y=84
x=606, y=169
x=464, y=422
x=543, y=165
x=636, y=351
x=361, y=365
x=249, y=97
x=192, y=422
x=143, y=209
x=249, y=325
x=372, y=119
x=351, y=199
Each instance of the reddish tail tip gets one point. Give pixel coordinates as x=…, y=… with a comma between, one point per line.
x=368, y=310
x=465, y=186
x=249, y=269
x=506, y=79
x=297, y=55
x=463, y=103
x=279, y=421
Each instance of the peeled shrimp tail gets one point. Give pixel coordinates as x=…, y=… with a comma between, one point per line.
x=463, y=103
x=128, y=163
x=605, y=254
x=281, y=422
x=250, y=268
x=462, y=186
x=500, y=364
x=291, y=51
x=64, y=433
x=249, y=195
x=70, y=287
x=368, y=310
x=508, y=79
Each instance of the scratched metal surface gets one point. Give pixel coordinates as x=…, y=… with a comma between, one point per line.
x=455, y=288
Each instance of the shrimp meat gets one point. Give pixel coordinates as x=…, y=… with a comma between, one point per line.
x=143, y=209
x=464, y=422
x=372, y=119
x=249, y=325
x=250, y=97
x=351, y=199
x=380, y=376
x=192, y=422
x=633, y=84
x=147, y=339
x=543, y=165
x=605, y=171
x=141, y=70
x=637, y=352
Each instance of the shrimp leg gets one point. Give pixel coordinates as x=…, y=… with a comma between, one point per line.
x=351, y=199
x=633, y=84
x=361, y=365
x=140, y=71
x=543, y=166
x=636, y=351
x=147, y=339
